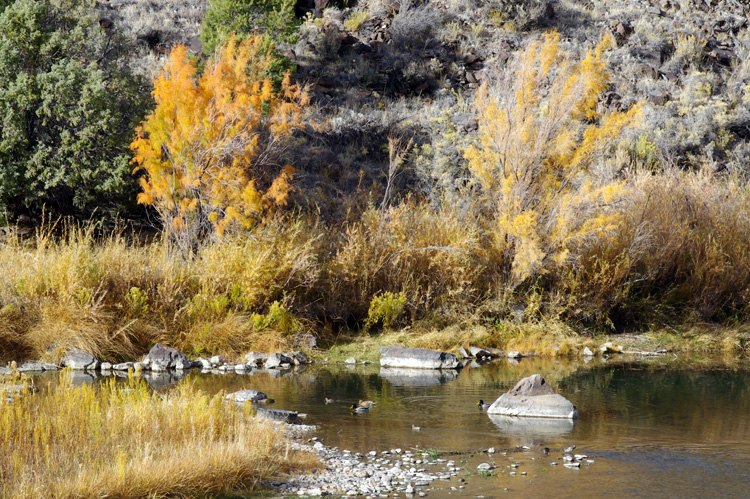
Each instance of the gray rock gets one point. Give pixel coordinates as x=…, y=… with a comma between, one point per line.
x=182, y=365
x=31, y=367
x=204, y=363
x=419, y=358
x=79, y=360
x=484, y=467
x=532, y=396
x=246, y=395
x=165, y=356
x=514, y=355
x=291, y=417
x=276, y=359
x=123, y=366
x=106, y=366
x=241, y=368
x=158, y=366
x=587, y=352
x=300, y=358
x=463, y=353
x=350, y=360
x=217, y=360
x=480, y=353
x=256, y=359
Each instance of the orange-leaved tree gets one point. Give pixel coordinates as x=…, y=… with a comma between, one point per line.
x=540, y=138
x=212, y=149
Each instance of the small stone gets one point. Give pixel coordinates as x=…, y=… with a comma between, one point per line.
x=484, y=467
x=491, y=450
x=106, y=366
x=409, y=489
x=514, y=355
x=587, y=352
x=217, y=360
x=350, y=360
x=512, y=473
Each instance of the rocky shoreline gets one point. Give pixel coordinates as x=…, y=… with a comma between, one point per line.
x=409, y=472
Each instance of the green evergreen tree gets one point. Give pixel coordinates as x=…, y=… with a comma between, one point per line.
x=68, y=108
x=274, y=18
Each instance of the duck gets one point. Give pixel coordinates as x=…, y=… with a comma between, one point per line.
x=482, y=405
x=264, y=401
x=359, y=409
x=366, y=403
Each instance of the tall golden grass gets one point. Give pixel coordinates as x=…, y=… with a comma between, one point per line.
x=680, y=255
x=123, y=440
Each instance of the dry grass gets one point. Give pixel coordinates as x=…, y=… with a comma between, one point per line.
x=123, y=440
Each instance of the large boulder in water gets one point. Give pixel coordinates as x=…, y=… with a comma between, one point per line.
x=417, y=358
x=533, y=397
x=162, y=357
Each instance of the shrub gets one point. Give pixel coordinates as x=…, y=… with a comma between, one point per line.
x=385, y=308
x=68, y=109
x=211, y=147
x=246, y=17
x=433, y=257
x=538, y=145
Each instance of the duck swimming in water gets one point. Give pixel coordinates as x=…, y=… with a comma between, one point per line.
x=359, y=409
x=366, y=403
x=482, y=405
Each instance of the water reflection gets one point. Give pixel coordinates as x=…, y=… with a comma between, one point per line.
x=402, y=376
x=535, y=431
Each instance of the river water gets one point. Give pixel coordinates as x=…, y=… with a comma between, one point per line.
x=654, y=427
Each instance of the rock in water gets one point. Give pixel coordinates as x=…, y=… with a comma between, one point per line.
x=533, y=397
x=275, y=360
x=419, y=358
x=162, y=357
x=246, y=395
x=79, y=360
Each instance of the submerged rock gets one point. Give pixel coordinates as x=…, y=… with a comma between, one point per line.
x=418, y=358
x=533, y=397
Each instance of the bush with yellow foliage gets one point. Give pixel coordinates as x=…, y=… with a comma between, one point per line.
x=212, y=149
x=540, y=137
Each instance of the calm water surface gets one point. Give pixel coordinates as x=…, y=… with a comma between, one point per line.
x=660, y=427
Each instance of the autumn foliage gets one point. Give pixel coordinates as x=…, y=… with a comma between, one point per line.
x=212, y=149
x=540, y=138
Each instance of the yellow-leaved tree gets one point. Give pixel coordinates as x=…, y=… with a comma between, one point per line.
x=212, y=148
x=540, y=137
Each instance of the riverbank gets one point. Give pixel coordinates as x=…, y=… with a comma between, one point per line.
x=353, y=288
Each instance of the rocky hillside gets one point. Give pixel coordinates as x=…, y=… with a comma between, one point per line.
x=408, y=70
